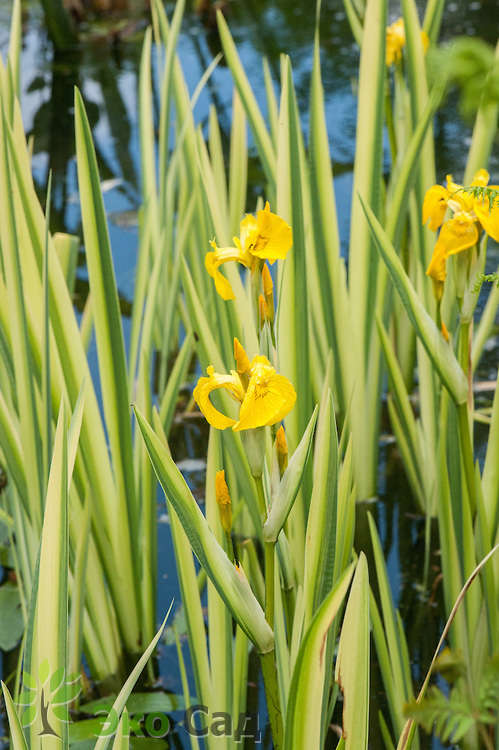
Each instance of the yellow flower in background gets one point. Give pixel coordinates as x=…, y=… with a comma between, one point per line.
x=264, y=237
x=265, y=396
x=395, y=41
x=462, y=231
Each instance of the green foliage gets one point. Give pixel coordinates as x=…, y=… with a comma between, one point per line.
x=471, y=65
x=488, y=695
x=491, y=194
x=11, y=617
x=491, y=278
x=452, y=717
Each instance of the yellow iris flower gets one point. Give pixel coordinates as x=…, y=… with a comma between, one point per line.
x=395, y=41
x=265, y=396
x=264, y=237
x=462, y=231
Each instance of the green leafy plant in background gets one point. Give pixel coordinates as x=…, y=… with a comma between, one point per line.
x=471, y=65
x=452, y=717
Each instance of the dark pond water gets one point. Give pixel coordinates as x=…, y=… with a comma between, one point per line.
x=106, y=71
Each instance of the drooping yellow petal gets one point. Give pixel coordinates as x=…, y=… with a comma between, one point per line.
x=215, y=258
x=425, y=39
x=206, y=385
x=435, y=206
x=456, y=235
x=267, y=237
x=487, y=216
x=395, y=40
x=268, y=399
x=437, y=268
x=222, y=285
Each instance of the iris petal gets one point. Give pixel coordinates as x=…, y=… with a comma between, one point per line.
x=268, y=399
x=274, y=236
x=214, y=259
x=460, y=200
x=456, y=235
x=435, y=206
x=488, y=217
x=206, y=385
x=437, y=267
x=267, y=237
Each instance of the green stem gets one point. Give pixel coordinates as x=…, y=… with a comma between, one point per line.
x=230, y=547
x=465, y=413
x=262, y=505
x=289, y=604
x=485, y=737
x=269, y=582
x=389, y=123
x=269, y=672
x=464, y=356
x=269, y=553
x=467, y=452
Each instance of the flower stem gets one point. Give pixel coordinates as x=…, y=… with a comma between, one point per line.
x=467, y=452
x=269, y=582
x=465, y=412
x=464, y=356
x=262, y=505
x=269, y=558
x=269, y=672
x=389, y=123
